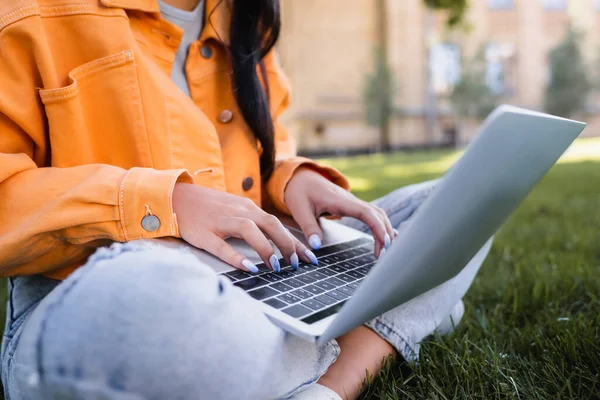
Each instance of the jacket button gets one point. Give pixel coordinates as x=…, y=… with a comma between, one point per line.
x=225, y=116
x=206, y=51
x=150, y=223
x=247, y=183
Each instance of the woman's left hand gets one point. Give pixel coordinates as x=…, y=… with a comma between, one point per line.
x=309, y=195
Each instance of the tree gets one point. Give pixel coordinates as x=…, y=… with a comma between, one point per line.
x=378, y=99
x=569, y=85
x=455, y=8
x=379, y=86
x=471, y=97
x=378, y=89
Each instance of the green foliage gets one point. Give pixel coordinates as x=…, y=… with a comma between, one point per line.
x=569, y=85
x=471, y=97
x=456, y=9
x=378, y=92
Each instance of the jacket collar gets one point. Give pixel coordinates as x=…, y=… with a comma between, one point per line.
x=216, y=19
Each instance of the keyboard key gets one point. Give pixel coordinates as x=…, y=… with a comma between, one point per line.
x=275, y=303
x=297, y=311
x=325, y=285
x=263, y=293
x=228, y=277
x=354, y=285
x=364, y=250
x=362, y=270
x=295, y=283
x=356, y=262
x=346, y=265
x=324, y=251
x=335, y=282
x=352, y=253
x=323, y=298
x=238, y=275
x=337, y=268
x=297, y=272
x=313, y=304
x=328, y=272
x=282, y=287
x=355, y=274
x=283, y=263
x=368, y=258
x=288, y=298
x=286, y=274
x=303, y=294
x=272, y=277
x=316, y=275
x=337, y=295
x=346, y=278
x=306, y=279
x=263, y=268
x=251, y=283
x=346, y=290
x=314, y=289
x=327, y=260
x=306, y=267
x=336, y=257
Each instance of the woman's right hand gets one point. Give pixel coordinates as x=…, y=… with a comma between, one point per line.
x=206, y=217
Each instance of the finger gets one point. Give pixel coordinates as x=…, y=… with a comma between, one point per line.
x=223, y=250
x=274, y=229
x=305, y=254
x=304, y=215
x=388, y=226
x=364, y=212
x=246, y=229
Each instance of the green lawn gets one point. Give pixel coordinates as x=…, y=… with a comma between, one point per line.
x=532, y=325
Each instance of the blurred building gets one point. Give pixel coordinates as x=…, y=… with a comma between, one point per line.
x=327, y=49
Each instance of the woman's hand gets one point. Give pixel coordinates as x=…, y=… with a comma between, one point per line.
x=206, y=217
x=309, y=195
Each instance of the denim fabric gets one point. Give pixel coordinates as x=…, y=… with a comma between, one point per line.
x=143, y=321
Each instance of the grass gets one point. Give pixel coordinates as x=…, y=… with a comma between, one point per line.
x=532, y=324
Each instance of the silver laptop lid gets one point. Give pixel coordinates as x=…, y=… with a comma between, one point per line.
x=512, y=151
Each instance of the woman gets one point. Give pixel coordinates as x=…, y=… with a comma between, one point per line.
x=124, y=123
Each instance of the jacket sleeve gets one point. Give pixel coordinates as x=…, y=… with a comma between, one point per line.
x=286, y=160
x=66, y=210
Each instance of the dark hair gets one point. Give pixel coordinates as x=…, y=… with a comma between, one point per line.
x=255, y=26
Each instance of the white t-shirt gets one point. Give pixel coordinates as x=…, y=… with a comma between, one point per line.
x=191, y=22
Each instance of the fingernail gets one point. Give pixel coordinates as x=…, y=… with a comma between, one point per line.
x=311, y=256
x=274, y=263
x=386, y=241
x=315, y=241
x=381, y=253
x=250, y=266
x=294, y=261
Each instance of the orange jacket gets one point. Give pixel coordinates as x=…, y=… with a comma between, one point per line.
x=94, y=134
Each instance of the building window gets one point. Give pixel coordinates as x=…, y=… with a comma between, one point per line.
x=554, y=4
x=500, y=4
x=444, y=65
x=500, y=73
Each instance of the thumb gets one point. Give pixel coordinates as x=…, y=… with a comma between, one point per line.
x=304, y=216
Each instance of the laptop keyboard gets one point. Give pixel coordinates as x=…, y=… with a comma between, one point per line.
x=312, y=292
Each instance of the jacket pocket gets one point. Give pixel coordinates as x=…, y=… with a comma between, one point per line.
x=99, y=116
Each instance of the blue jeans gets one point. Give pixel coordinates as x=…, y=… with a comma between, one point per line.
x=143, y=321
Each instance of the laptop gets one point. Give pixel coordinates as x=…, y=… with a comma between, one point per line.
x=512, y=151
